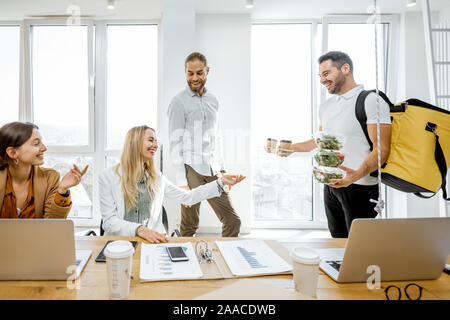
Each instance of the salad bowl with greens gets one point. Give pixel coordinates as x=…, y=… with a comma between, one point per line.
x=325, y=174
x=329, y=141
x=328, y=158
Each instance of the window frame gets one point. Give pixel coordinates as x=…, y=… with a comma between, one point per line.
x=315, y=223
x=392, y=44
x=17, y=23
x=391, y=77
x=97, y=63
x=103, y=24
x=318, y=96
x=28, y=80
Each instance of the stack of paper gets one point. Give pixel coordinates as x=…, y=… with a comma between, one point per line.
x=156, y=264
x=251, y=257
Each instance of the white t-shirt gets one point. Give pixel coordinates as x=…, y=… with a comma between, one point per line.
x=337, y=115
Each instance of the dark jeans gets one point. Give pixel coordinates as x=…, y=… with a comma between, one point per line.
x=343, y=205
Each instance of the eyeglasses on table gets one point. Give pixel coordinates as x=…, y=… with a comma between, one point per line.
x=412, y=291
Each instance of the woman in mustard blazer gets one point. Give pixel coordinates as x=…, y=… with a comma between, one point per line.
x=28, y=191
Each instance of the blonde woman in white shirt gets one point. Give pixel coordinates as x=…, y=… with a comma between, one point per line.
x=132, y=192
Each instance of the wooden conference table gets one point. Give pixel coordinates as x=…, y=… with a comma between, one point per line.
x=93, y=281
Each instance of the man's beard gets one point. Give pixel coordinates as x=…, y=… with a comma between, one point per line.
x=197, y=89
x=338, y=83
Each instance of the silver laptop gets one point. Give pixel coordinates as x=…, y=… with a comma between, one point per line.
x=403, y=249
x=39, y=249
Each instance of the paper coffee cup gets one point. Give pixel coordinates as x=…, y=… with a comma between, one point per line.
x=119, y=260
x=285, y=144
x=305, y=265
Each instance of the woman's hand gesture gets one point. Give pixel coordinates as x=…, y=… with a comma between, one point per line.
x=71, y=179
x=231, y=180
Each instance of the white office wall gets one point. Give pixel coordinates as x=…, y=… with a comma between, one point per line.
x=415, y=75
x=444, y=15
x=413, y=83
x=177, y=41
x=225, y=41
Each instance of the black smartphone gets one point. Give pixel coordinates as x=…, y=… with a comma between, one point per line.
x=101, y=256
x=177, y=254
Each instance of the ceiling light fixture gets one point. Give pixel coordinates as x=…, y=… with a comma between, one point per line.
x=411, y=3
x=249, y=4
x=111, y=4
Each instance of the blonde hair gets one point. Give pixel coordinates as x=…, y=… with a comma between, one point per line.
x=133, y=167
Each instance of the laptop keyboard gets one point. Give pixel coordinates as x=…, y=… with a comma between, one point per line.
x=335, y=264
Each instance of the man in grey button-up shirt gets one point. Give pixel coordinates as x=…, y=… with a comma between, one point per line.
x=195, y=146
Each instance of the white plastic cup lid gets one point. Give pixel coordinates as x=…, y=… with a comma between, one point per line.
x=119, y=249
x=305, y=255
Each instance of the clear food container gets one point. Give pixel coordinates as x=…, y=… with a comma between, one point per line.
x=328, y=158
x=329, y=141
x=325, y=174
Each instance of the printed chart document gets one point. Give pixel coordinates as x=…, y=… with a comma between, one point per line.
x=157, y=266
x=251, y=257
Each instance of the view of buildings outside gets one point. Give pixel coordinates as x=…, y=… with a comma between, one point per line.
x=281, y=109
x=282, y=187
x=82, y=194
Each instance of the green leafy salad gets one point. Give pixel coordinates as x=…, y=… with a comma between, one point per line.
x=329, y=142
x=324, y=176
x=328, y=158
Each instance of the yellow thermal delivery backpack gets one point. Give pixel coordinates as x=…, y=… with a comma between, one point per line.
x=420, y=145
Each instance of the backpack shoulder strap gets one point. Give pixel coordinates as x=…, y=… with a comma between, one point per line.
x=440, y=161
x=360, y=111
x=361, y=115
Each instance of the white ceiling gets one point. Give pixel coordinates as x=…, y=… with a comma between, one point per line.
x=152, y=9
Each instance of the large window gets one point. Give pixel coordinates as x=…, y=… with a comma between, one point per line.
x=361, y=49
x=60, y=103
x=89, y=83
x=286, y=94
x=60, y=82
x=131, y=80
x=281, y=94
x=9, y=69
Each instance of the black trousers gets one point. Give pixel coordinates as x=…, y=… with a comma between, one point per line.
x=343, y=205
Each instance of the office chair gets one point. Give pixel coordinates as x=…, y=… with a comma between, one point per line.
x=165, y=222
x=175, y=232
x=90, y=233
